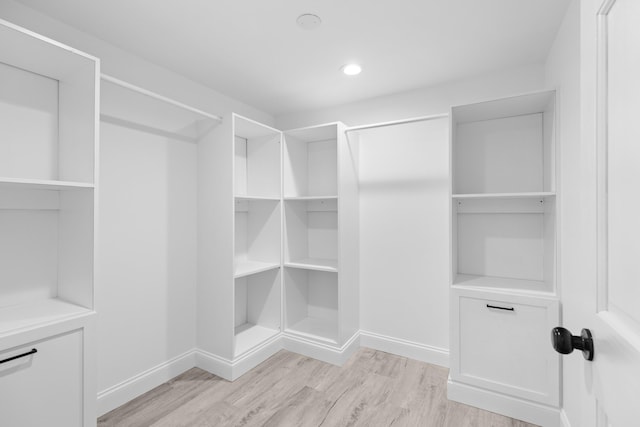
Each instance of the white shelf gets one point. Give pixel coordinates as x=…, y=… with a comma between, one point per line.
x=526, y=195
x=306, y=198
x=42, y=184
x=469, y=281
x=247, y=268
x=317, y=329
x=249, y=198
x=249, y=336
x=330, y=265
x=37, y=313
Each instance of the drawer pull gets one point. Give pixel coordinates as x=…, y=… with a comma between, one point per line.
x=500, y=308
x=28, y=353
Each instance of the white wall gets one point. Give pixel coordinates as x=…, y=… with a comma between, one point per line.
x=146, y=281
x=404, y=216
x=404, y=243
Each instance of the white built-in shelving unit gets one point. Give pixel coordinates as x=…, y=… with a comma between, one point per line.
x=240, y=246
x=48, y=185
x=320, y=234
x=504, y=255
x=278, y=245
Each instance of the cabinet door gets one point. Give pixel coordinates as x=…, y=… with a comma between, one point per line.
x=501, y=343
x=44, y=388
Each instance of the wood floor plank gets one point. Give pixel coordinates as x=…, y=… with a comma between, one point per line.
x=373, y=389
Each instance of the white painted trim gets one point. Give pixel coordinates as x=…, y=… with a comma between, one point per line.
x=324, y=352
x=520, y=409
x=133, y=387
x=564, y=419
x=214, y=364
x=424, y=353
x=231, y=370
x=243, y=364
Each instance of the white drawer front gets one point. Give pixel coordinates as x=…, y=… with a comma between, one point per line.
x=503, y=344
x=45, y=388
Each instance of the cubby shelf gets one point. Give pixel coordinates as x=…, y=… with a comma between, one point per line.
x=525, y=195
x=502, y=283
x=247, y=268
x=318, y=264
x=249, y=198
x=248, y=335
x=42, y=184
x=303, y=198
x=36, y=313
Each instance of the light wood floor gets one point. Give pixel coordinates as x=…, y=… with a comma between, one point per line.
x=373, y=389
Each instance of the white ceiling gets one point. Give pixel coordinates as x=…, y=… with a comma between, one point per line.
x=254, y=51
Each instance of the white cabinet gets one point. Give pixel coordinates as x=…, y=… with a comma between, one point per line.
x=503, y=237
x=502, y=344
x=48, y=146
x=45, y=387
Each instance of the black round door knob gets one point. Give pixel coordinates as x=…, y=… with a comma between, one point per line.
x=564, y=343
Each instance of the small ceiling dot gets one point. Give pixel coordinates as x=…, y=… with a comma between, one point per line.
x=309, y=21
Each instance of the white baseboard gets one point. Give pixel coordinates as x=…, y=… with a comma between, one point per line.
x=524, y=410
x=243, y=364
x=214, y=364
x=231, y=370
x=564, y=419
x=324, y=352
x=424, y=353
x=127, y=390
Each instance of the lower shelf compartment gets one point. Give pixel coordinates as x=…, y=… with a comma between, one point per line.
x=257, y=309
x=318, y=329
x=248, y=336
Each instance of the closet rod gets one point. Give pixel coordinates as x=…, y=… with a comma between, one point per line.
x=397, y=122
x=154, y=95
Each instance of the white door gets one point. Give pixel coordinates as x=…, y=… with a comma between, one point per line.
x=615, y=324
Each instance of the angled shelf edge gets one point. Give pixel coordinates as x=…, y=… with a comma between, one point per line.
x=328, y=265
x=247, y=268
x=43, y=184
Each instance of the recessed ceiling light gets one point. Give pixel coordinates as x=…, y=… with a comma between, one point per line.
x=352, y=69
x=309, y=21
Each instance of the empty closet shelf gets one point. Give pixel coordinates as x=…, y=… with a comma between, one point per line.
x=42, y=184
x=37, y=313
x=248, y=335
x=247, y=268
x=502, y=283
x=319, y=264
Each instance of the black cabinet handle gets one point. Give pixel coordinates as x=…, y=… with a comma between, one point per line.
x=28, y=353
x=501, y=308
